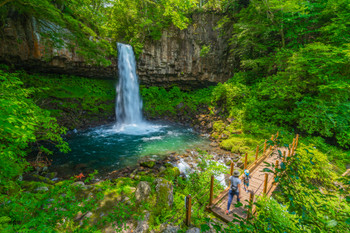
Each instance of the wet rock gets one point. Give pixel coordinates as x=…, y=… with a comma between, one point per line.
x=142, y=192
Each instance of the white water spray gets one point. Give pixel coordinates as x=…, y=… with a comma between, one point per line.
x=129, y=105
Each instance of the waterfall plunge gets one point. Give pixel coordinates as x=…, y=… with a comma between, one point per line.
x=129, y=104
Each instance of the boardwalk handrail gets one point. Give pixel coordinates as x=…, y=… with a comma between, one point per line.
x=269, y=186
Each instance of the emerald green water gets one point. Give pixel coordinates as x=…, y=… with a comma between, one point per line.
x=109, y=147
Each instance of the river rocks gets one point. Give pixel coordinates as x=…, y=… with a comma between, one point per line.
x=164, y=192
x=142, y=192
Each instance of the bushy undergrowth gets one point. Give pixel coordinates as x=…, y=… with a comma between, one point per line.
x=72, y=100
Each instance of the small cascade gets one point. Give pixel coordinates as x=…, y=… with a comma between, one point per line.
x=129, y=104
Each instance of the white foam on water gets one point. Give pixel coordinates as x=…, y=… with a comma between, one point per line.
x=183, y=167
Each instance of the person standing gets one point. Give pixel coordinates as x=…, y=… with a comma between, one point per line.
x=235, y=189
x=246, y=179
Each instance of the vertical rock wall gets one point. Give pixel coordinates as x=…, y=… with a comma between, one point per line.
x=22, y=46
x=175, y=58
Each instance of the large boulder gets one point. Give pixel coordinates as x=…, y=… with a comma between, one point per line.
x=142, y=225
x=142, y=192
x=164, y=192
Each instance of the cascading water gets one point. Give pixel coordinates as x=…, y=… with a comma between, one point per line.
x=129, y=104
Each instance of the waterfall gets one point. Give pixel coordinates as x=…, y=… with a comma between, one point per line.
x=129, y=104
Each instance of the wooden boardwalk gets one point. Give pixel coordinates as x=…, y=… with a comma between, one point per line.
x=257, y=178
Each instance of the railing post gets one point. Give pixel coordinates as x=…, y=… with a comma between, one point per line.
x=265, y=183
x=272, y=139
x=293, y=145
x=245, y=160
x=276, y=166
x=231, y=170
x=264, y=147
x=256, y=153
x=211, y=190
x=288, y=152
x=296, y=141
x=284, y=156
x=188, y=209
x=251, y=199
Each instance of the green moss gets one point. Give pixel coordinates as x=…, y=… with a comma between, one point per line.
x=170, y=173
x=163, y=190
x=239, y=144
x=219, y=126
x=32, y=185
x=149, y=164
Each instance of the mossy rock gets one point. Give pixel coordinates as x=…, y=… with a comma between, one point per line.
x=149, y=164
x=170, y=173
x=168, y=165
x=34, y=186
x=219, y=126
x=164, y=195
x=239, y=145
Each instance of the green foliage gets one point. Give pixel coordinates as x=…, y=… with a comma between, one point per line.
x=72, y=100
x=230, y=97
x=160, y=102
x=133, y=21
x=204, y=50
x=23, y=124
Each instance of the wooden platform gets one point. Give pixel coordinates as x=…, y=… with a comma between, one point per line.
x=257, y=177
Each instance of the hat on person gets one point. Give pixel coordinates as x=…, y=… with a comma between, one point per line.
x=236, y=173
x=246, y=172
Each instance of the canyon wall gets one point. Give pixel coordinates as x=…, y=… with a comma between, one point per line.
x=174, y=59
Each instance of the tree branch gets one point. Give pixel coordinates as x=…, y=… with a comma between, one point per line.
x=4, y=2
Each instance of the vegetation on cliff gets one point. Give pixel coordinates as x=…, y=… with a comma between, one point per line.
x=293, y=75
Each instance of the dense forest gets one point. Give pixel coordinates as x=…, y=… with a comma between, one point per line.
x=292, y=75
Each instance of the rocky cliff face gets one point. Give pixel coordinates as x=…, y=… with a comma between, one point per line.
x=174, y=59
x=22, y=46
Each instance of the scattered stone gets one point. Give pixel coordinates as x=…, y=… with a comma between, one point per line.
x=142, y=192
x=78, y=183
x=214, y=144
x=171, y=229
x=42, y=188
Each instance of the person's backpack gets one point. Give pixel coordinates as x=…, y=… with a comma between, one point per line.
x=246, y=178
x=232, y=187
